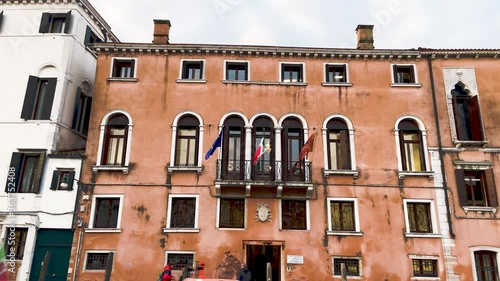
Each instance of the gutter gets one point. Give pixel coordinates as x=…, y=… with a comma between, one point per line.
x=440, y=146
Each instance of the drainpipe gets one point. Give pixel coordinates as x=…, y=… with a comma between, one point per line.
x=440, y=146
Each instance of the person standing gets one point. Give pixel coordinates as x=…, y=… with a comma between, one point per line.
x=244, y=274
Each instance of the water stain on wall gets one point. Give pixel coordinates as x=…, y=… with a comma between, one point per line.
x=229, y=268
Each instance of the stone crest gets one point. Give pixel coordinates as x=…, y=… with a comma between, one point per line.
x=263, y=212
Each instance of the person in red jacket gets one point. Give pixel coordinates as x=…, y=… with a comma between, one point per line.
x=167, y=273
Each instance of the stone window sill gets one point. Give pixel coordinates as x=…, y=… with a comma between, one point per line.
x=344, y=233
x=423, y=235
x=353, y=173
x=197, y=169
x=425, y=278
x=103, y=230
x=479, y=209
x=460, y=143
x=406, y=85
x=191, y=81
x=403, y=174
x=181, y=230
x=124, y=169
x=349, y=277
x=118, y=79
x=336, y=84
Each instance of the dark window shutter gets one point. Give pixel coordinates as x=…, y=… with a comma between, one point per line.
x=132, y=67
x=327, y=73
x=462, y=193
x=459, y=120
x=344, y=150
x=13, y=173
x=45, y=23
x=201, y=69
x=412, y=74
x=86, y=116
x=49, y=99
x=55, y=180
x=88, y=35
x=29, y=98
x=475, y=118
x=67, y=23
x=491, y=189
x=184, y=70
x=402, y=150
x=1, y=18
x=71, y=179
x=76, y=112
x=247, y=70
x=39, y=172
x=395, y=73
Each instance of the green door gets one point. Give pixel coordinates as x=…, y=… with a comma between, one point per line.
x=58, y=242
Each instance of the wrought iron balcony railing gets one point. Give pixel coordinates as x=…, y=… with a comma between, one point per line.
x=263, y=171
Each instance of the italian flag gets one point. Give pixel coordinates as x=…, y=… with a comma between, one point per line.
x=3, y=264
x=259, y=151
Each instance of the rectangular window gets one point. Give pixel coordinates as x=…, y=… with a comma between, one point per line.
x=294, y=215
x=106, y=212
x=192, y=69
x=25, y=172
x=336, y=73
x=180, y=260
x=424, y=268
x=18, y=243
x=62, y=180
x=91, y=37
x=232, y=213
x=404, y=74
x=123, y=68
x=352, y=266
x=476, y=188
x=292, y=73
x=39, y=98
x=183, y=212
x=237, y=71
x=486, y=266
x=96, y=261
x=342, y=215
x=419, y=217
x=55, y=23
x=186, y=146
x=81, y=113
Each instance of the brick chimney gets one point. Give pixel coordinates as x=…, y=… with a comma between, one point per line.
x=365, y=37
x=160, y=34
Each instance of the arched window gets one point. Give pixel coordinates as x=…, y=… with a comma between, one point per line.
x=292, y=141
x=186, y=151
x=115, y=141
x=338, y=145
x=410, y=144
x=263, y=144
x=486, y=265
x=233, y=150
x=467, y=114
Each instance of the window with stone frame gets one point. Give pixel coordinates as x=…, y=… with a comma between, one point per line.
x=188, y=131
x=182, y=212
x=25, y=172
x=476, y=188
x=419, y=217
x=411, y=147
x=106, y=212
x=339, y=151
x=342, y=215
x=294, y=214
x=16, y=242
x=237, y=71
x=96, y=260
x=292, y=72
x=486, y=263
x=404, y=74
x=425, y=268
x=467, y=115
x=192, y=69
x=352, y=265
x=336, y=73
x=180, y=260
x=231, y=213
x=115, y=141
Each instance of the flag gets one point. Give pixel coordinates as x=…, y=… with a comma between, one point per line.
x=3, y=263
x=217, y=143
x=308, y=147
x=261, y=149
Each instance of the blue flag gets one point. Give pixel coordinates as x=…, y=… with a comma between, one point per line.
x=217, y=143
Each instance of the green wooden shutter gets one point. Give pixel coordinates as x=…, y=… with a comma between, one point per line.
x=462, y=193
x=45, y=23
x=29, y=98
x=86, y=117
x=491, y=188
x=67, y=23
x=88, y=35
x=55, y=180
x=49, y=99
x=76, y=113
x=71, y=179
x=13, y=173
x=39, y=173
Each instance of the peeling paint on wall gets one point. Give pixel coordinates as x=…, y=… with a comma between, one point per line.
x=229, y=268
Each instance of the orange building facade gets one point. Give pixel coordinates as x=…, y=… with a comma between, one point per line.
x=321, y=157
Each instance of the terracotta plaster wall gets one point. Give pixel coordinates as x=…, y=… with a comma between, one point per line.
x=156, y=98
x=472, y=229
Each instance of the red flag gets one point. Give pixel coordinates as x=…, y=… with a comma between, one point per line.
x=308, y=147
x=259, y=151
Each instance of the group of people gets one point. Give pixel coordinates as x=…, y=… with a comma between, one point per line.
x=166, y=275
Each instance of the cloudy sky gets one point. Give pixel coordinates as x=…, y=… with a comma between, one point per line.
x=309, y=23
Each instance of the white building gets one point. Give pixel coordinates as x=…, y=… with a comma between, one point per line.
x=47, y=75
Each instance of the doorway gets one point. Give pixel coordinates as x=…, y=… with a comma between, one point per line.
x=257, y=258
x=58, y=242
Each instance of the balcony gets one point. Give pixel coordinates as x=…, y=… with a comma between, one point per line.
x=263, y=172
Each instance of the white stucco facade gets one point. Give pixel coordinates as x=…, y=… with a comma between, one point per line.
x=62, y=56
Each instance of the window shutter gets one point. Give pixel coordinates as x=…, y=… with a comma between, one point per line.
x=491, y=189
x=15, y=163
x=402, y=150
x=462, y=193
x=49, y=99
x=29, y=98
x=201, y=69
x=412, y=74
x=345, y=150
x=247, y=70
x=71, y=178
x=459, y=120
x=55, y=180
x=132, y=67
x=1, y=17
x=475, y=118
x=88, y=35
x=39, y=172
x=395, y=73
x=184, y=70
x=86, y=117
x=67, y=23
x=327, y=73
x=45, y=23
x=76, y=112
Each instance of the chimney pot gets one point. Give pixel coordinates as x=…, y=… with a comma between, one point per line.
x=365, y=37
x=161, y=31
